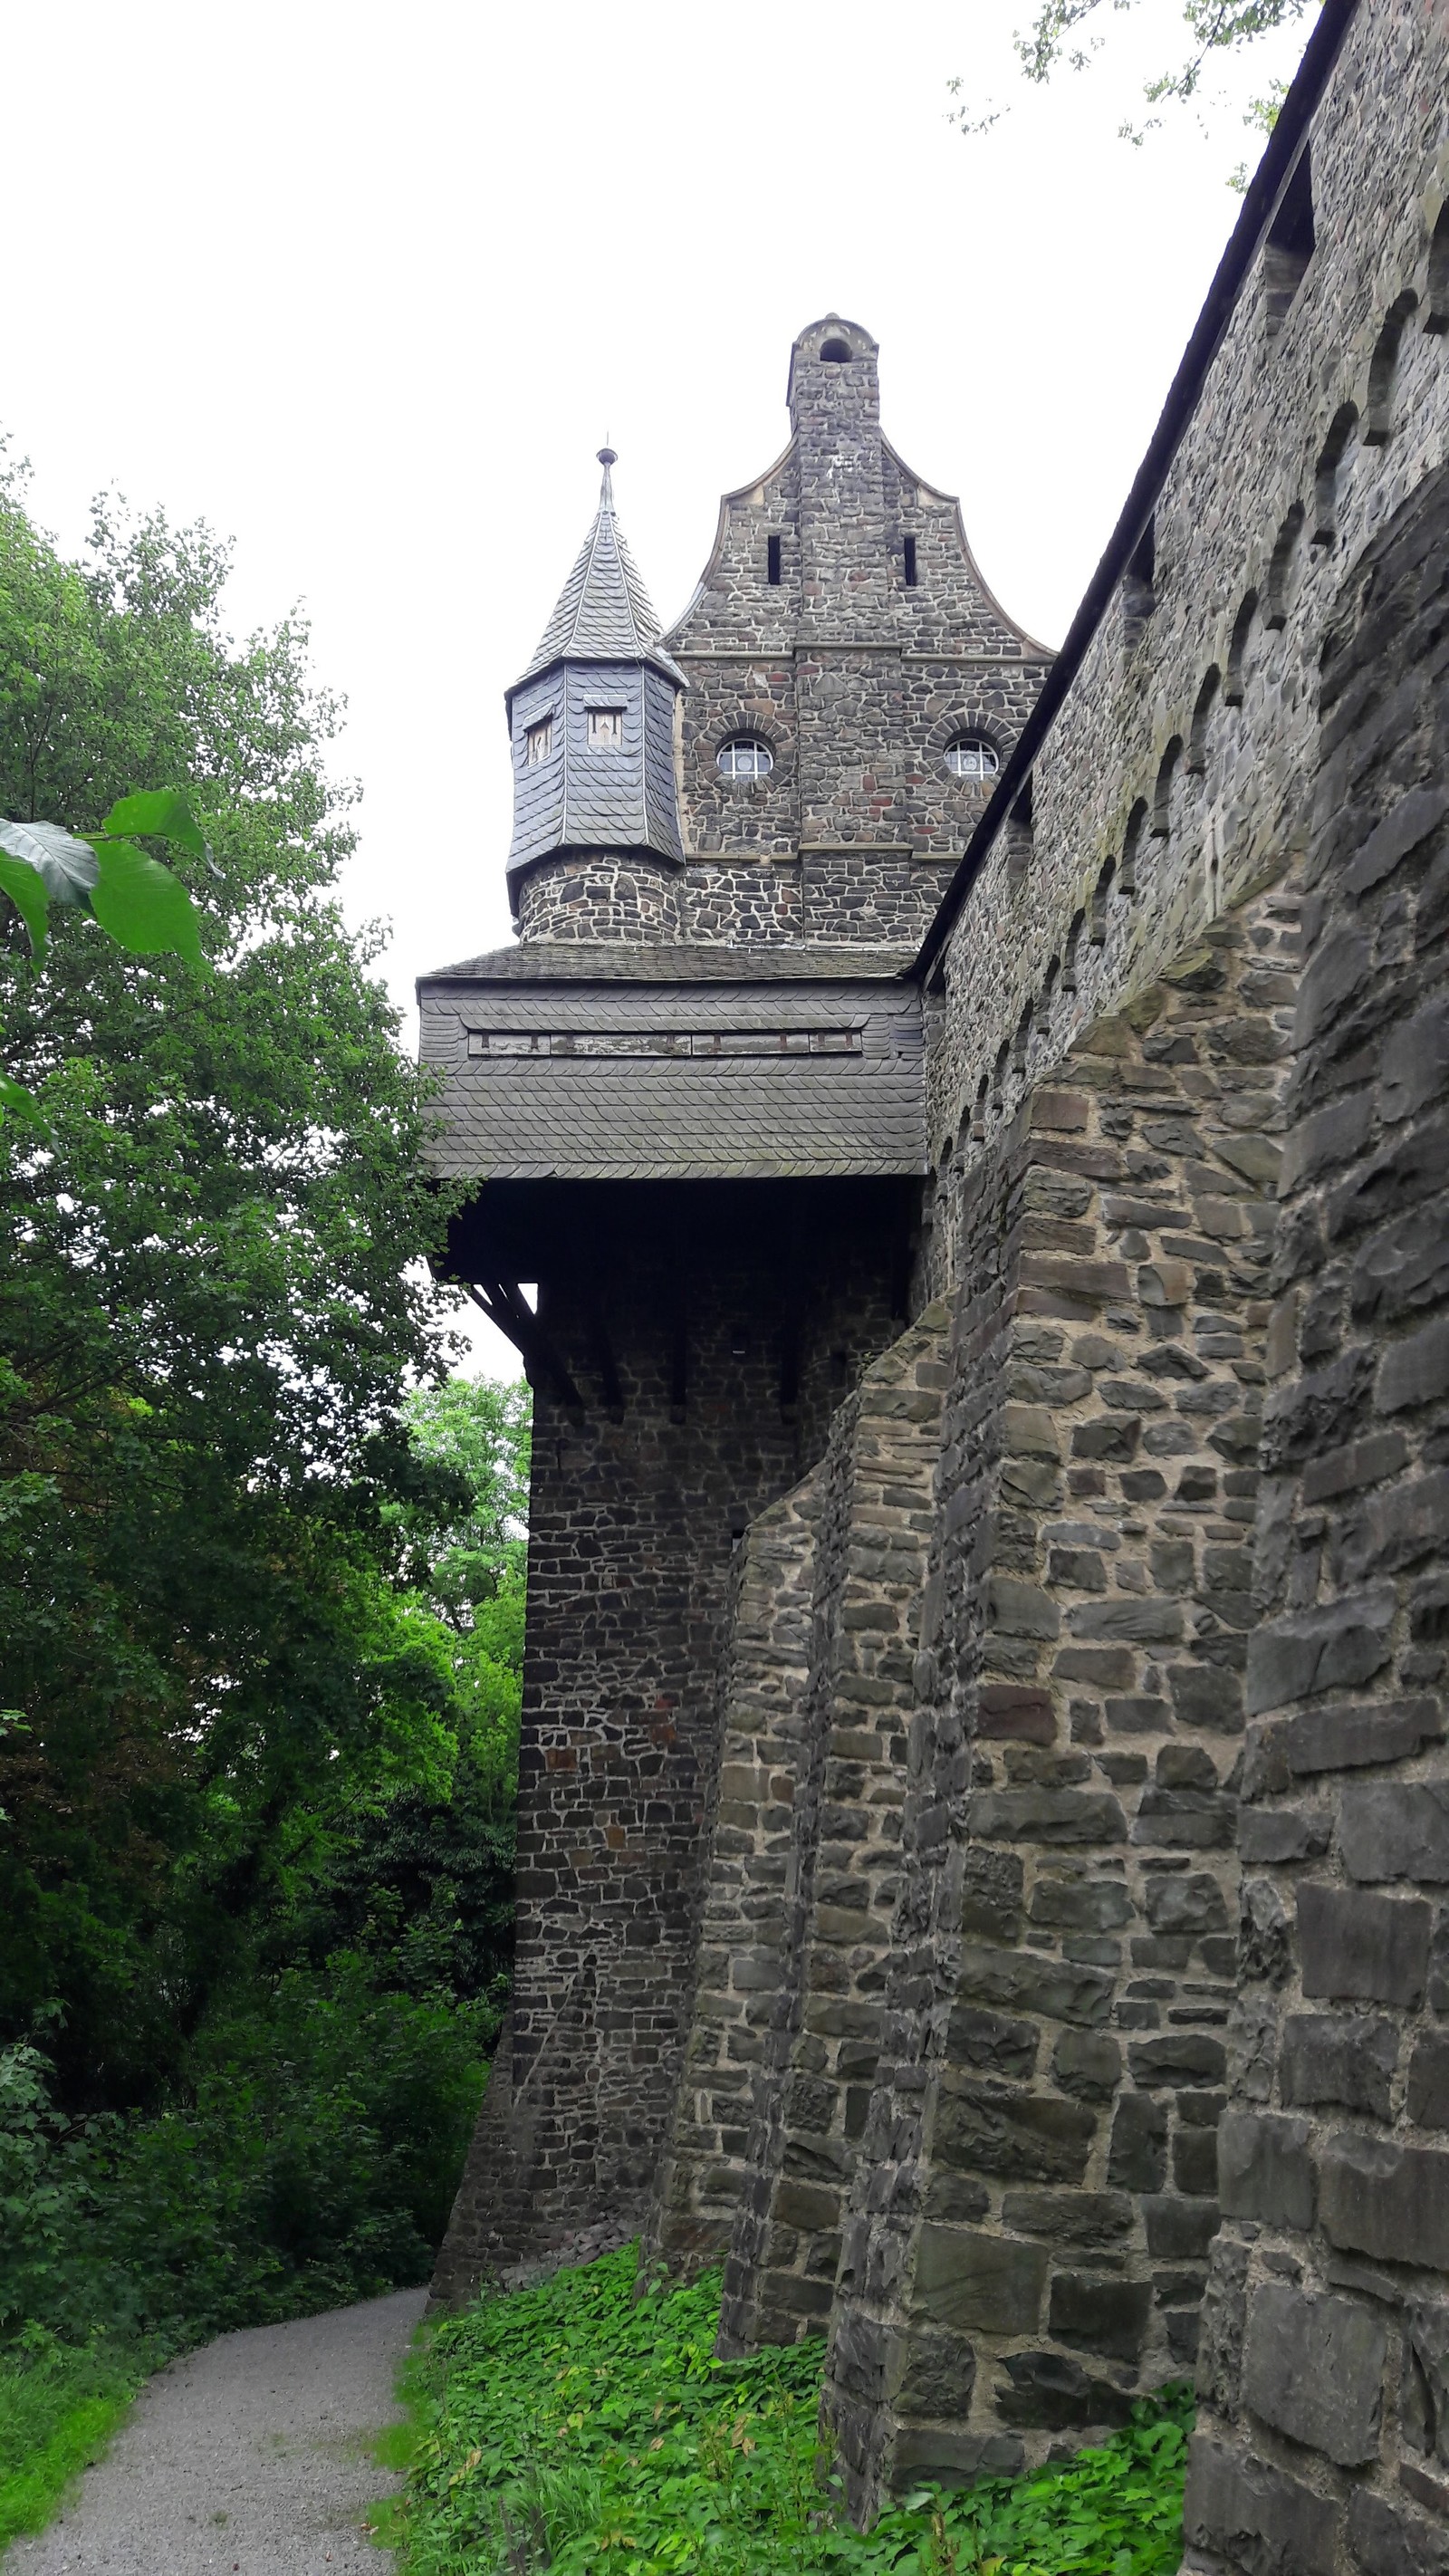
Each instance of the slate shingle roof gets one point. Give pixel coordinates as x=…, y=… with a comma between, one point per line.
x=604, y=612
x=751, y=1078
x=614, y=961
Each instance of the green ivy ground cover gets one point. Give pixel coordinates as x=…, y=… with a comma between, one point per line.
x=583, y=2428
x=58, y=2409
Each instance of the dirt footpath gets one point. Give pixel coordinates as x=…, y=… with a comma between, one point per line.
x=248, y=2458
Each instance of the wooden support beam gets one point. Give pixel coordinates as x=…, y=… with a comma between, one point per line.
x=504, y=1305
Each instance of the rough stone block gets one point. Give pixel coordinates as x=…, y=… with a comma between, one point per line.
x=1045, y=2391
x=1179, y=2231
x=1081, y=1904
x=1428, y=2097
x=1385, y=2541
x=1137, y=2160
x=1100, y=2315
x=1179, y=2057
x=991, y=2040
x=1087, y=2063
x=938, y=2376
x=1057, y=1816
x=1031, y=2138
x=1391, y=2201
x=1254, y=2517
x=1314, y=2368
x=1075, y=2217
x=1193, y=1904
x=1339, y=1646
x=1396, y=1829
x=1265, y=2169
x=951, y=2458
x=1339, y=2057
x=977, y=2281
x=1354, y=1947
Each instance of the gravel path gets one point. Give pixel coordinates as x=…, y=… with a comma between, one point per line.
x=248, y=2456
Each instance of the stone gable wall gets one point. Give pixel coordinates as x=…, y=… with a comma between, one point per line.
x=855, y=677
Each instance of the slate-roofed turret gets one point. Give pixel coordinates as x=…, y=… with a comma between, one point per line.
x=592, y=717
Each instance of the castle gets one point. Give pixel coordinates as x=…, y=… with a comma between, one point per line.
x=979, y=1126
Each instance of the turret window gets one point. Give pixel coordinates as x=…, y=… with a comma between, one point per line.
x=606, y=728
x=538, y=742
x=969, y=757
x=743, y=757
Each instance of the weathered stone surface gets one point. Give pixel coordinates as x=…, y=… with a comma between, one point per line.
x=1031, y=2138
x=1375, y=1948
x=1392, y=1829
x=1099, y=2314
x=977, y=2281
x=1314, y=2368
x=1376, y=2198
x=1385, y=2540
x=1265, y=2169
x=939, y=2375
x=1254, y=2518
x=1339, y=2057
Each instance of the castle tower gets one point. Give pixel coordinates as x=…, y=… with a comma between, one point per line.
x=596, y=843
x=689, y=1102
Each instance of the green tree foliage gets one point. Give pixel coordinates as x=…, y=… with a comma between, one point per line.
x=261, y=1579
x=1069, y=34
x=209, y=1312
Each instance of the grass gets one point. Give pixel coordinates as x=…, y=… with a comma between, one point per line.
x=587, y=2429
x=59, y=2407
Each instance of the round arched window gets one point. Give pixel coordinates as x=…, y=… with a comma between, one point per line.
x=836, y=353
x=969, y=757
x=744, y=757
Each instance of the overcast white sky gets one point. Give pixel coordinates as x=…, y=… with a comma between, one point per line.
x=368, y=288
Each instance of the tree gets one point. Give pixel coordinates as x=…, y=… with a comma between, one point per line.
x=212, y=1303
x=1069, y=33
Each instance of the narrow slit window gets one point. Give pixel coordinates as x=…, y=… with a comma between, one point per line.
x=538, y=742
x=606, y=728
x=911, y=574
x=772, y=561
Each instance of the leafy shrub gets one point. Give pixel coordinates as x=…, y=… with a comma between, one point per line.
x=581, y=2427
x=312, y=2165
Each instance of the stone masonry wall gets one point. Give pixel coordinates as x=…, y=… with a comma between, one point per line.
x=763, y=1765
x=1180, y=768
x=1036, y=2190
x=706, y=1358
x=1324, y=2439
x=873, y=1526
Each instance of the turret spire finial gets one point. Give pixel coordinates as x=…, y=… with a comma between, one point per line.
x=607, y=456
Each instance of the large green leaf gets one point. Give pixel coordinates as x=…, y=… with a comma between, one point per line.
x=66, y=866
x=17, y=1102
x=26, y=888
x=143, y=905
x=162, y=814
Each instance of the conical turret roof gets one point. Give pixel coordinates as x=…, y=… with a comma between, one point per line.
x=604, y=612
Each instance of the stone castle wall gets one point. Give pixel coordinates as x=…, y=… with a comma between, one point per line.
x=1180, y=769
x=703, y=1355
x=1325, y=2367
x=1156, y=2031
